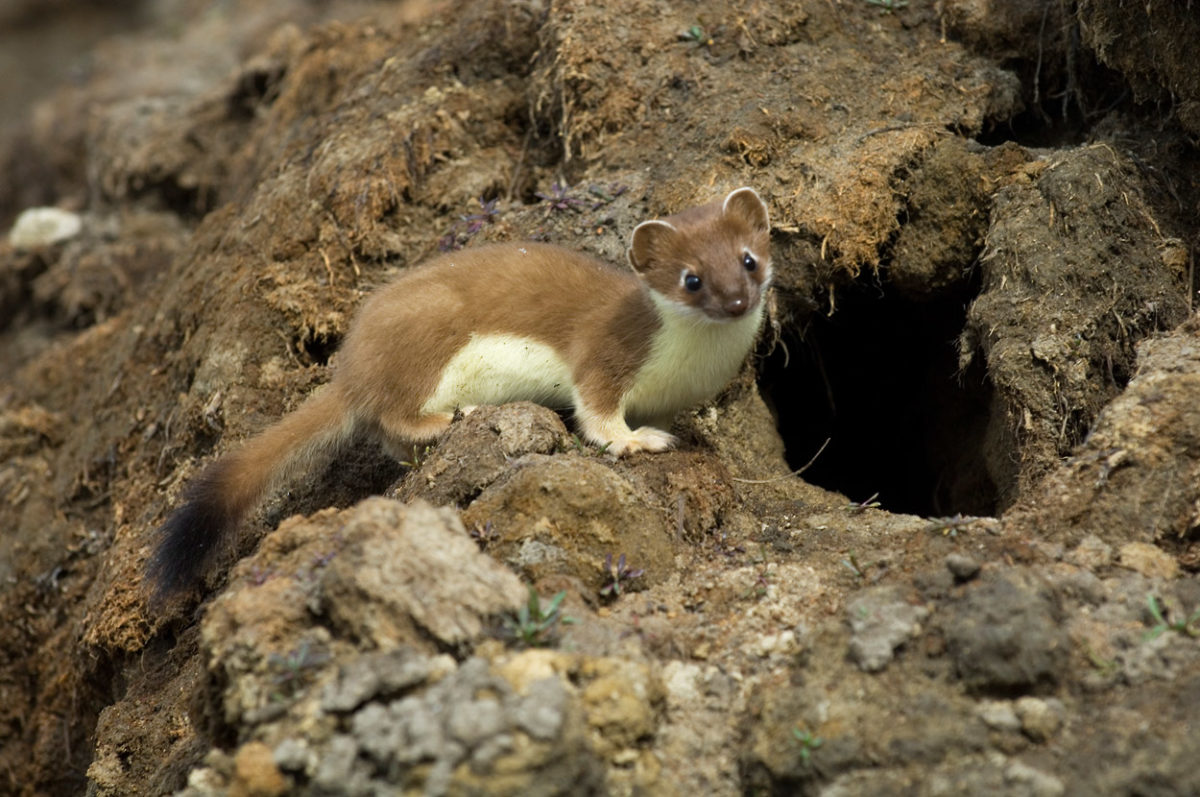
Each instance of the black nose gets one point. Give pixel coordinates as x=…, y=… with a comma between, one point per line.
x=736, y=307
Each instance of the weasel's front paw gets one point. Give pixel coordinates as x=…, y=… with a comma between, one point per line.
x=645, y=438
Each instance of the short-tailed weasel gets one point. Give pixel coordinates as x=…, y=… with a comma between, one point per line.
x=510, y=322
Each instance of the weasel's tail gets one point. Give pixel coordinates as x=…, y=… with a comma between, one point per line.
x=224, y=493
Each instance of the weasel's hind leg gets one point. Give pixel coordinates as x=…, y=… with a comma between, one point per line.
x=402, y=436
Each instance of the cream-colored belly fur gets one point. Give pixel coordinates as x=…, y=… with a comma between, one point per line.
x=690, y=360
x=494, y=369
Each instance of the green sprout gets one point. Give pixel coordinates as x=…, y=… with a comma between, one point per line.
x=762, y=577
x=698, y=35
x=1189, y=626
x=288, y=668
x=809, y=741
x=418, y=457
x=852, y=564
x=586, y=448
x=888, y=6
x=606, y=194
x=1106, y=667
x=534, y=626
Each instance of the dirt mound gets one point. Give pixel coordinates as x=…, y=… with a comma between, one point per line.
x=1151, y=46
x=939, y=536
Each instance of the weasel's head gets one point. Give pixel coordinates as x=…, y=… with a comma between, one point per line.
x=713, y=262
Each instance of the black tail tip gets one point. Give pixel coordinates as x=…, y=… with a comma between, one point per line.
x=187, y=542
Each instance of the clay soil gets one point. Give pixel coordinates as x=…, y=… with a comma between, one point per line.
x=941, y=536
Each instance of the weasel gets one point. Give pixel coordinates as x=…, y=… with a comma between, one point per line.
x=510, y=322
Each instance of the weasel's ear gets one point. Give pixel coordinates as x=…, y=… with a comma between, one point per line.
x=745, y=204
x=650, y=241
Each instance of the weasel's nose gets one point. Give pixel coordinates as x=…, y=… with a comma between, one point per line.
x=736, y=307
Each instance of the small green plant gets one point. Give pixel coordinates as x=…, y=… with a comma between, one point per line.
x=697, y=35
x=418, y=456
x=1106, y=667
x=606, y=193
x=536, y=626
x=585, y=448
x=856, y=507
x=852, y=564
x=617, y=572
x=888, y=6
x=762, y=577
x=1189, y=626
x=288, y=669
x=809, y=741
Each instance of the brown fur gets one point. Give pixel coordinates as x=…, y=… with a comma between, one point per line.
x=407, y=331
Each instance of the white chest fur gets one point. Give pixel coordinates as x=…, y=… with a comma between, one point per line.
x=691, y=359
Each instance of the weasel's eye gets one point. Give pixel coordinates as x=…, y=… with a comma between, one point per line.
x=692, y=282
x=748, y=262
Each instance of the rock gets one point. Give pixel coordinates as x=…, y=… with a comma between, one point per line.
x=378, y=735
x=1040, y=719
x=536, y=664
x=388, y=575
x=473, y=721
x=1092, y=552
x=531, y=554
x=881, y=620
x=1149, y=560
x=622, y=701
x=780, y=643
x=962, y=567
x=418, y=721
x=374, y=674
x=413, y=566
x=1005, y=634
x=561, y=515
x=999, y=715
x=255, y=773
x=293, y=755
x=994, y=775
x=1034, y=782
x=38, y=227
x=478, y=450
x=1134, y=478
x=336, y=764
x=541, y=712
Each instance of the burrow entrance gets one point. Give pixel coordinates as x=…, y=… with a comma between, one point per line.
x=880, y=379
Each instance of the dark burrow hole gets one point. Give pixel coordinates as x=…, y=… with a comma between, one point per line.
x=1040, y=126
x=318, y=348
x=880, y=380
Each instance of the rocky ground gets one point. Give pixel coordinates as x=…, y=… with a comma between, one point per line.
x=939, y=537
